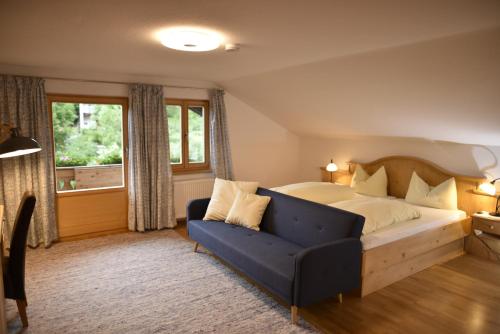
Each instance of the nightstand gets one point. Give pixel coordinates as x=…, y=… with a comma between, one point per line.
x=485, y=239
x=486, y=223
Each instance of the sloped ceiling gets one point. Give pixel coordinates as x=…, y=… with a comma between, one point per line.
x=413, y=68
x=446, y=89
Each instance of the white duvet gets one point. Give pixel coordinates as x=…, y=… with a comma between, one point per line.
x=379, y=212
x=319, y=192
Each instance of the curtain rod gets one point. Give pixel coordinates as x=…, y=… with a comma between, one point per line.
x=118, y=82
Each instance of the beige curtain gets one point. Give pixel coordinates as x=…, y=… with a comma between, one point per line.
x=151, y=188
x=23, y=104
x=220, y=151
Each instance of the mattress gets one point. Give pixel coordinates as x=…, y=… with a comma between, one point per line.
x=430, y=219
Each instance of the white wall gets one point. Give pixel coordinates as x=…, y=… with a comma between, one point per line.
x=265, y=151
x=472, y=160
x=262, y=149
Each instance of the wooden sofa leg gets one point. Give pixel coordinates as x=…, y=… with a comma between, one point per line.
x=295, y=314
x=196, y=246
x=339, y=296
x=21, y=306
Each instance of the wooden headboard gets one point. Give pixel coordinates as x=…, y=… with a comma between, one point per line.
x=399, y=170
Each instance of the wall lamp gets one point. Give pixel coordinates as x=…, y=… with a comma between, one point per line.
x=490, y=189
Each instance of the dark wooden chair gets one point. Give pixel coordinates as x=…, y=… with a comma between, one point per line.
x=13, y=274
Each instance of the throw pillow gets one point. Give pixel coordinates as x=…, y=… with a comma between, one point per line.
x=247, y=210
x=223, y=197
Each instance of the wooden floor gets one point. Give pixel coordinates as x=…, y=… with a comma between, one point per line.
x=460, y=296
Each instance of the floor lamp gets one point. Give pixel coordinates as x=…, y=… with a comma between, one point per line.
x=12, y=144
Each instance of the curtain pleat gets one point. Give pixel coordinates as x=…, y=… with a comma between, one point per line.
x=220, y=150
x=151, y=188
x=23, y=104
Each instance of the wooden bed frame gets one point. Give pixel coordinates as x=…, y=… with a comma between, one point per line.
x=389, y=263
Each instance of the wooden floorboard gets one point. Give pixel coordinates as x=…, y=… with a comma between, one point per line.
x=460, y=296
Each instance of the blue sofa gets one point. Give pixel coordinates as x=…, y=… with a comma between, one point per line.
x=304, y=252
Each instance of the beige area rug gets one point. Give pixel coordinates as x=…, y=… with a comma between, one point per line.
x=142, y=283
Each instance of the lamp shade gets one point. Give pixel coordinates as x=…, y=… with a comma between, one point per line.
x=487, y=188
x=332, y=167
x=17, y=145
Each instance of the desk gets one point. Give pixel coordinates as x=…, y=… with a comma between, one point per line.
x=3, y=322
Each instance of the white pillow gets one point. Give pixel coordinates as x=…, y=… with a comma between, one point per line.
x=319, y=192
x=375, y=185
x=223, y=197
x=247, y=210
x=443, y=196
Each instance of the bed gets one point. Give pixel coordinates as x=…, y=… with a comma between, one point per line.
x=398, y=251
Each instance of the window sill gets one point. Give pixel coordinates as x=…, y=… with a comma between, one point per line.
x=84, y=192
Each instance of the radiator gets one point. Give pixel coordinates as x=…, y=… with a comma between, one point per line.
x=185, y=191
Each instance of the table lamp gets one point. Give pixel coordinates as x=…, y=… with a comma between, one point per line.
x=490, y=189
x=13, y=144
x=331, y=167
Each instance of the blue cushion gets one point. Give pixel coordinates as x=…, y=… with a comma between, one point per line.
x=264, y=257
x=307, y=223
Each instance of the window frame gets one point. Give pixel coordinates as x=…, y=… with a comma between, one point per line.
x=186, y=166
x=91, y=99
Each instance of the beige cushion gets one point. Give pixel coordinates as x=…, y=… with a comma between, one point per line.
x=320, y=192
x=375, y=185
x=443, y=196
x=223, y=197
x=247, y=210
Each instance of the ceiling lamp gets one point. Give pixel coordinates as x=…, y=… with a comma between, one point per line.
x=190, y=39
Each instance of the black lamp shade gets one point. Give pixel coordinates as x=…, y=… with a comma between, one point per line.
x=17, y=145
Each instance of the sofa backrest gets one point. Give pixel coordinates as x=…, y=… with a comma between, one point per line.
x=307, y=223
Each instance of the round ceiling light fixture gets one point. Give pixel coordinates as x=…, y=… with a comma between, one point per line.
x=190, y=39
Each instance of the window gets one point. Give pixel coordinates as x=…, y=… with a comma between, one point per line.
x=88, y=142
x=188, y=135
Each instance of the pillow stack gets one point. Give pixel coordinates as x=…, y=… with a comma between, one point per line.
x=374, y=185
x=235, y=202
x=442, y=196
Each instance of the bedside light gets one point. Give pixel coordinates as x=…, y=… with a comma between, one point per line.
x=331, y=167
x=490, y=189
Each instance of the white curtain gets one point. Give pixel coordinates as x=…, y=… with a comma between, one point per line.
x=23, y=104
x=151, y=188
x=220, y=151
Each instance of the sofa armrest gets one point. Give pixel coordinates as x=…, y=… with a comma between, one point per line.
x=196, y=209
x=325, y=270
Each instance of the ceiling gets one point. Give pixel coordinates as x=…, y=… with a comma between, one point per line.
x=118, y=35
x=317, y=67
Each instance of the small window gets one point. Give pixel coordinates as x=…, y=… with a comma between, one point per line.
x=188, y=135
x=88, y=142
